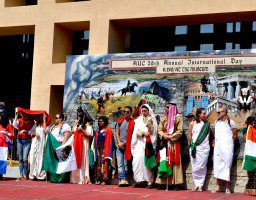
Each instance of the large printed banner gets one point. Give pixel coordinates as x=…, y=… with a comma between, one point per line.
x=105, y=84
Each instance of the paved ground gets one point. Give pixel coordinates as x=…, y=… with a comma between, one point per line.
x=10, y=189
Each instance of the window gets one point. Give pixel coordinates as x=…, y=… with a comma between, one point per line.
x=253, y=45
x=180, y=48
x=181, y=30
x=238, y=26
x=86, y=35
x=229, y=45
x=254, y=25
x=229, y=27
x=206, y=28
x=237, y=46
x=206, y=47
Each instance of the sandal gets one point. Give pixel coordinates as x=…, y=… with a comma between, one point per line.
x=103, y=183
x=97, y=183
x=195, y=189
x=227, y=191
x=215, y=191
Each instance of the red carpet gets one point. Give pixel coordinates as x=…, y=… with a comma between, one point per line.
x=10, y=189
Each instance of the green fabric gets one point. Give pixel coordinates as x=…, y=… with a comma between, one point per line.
x=201, y=137
x=150, y=162
x=250, y=163
x=60, y=178
x=164, y=171
x=91, y=158
x=50, y=161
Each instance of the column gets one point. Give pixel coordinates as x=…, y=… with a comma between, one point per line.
x=230, y=91
x=223, y=89
x=238, y=90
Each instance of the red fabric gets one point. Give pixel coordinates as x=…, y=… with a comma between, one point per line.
x=128, y=154
x=31, y=115
x=78, y=148
x=35, y=114
x=9, y=128
x=108, y=142
x=174, y=153
x=25, y=126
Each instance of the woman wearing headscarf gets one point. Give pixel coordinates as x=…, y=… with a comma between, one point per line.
x=170, y=130
x=144, y=139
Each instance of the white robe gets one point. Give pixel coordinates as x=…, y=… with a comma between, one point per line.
x=199, y=168
x=223, y=149
x=36, y=155
x=140, y=172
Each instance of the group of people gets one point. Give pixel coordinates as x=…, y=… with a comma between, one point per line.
x=153, y=149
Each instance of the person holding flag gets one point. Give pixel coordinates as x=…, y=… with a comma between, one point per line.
x=143, y=145
x=6, y=132
x=170, y=130
x=24, y=124
x=198, y=136
x=250, y=158
x=57, y=138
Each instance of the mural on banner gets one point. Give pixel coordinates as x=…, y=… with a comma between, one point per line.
x=105, y=84
x=103, y=91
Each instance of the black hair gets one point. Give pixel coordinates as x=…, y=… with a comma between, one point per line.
x=143, y=106
x=84, y=117
x=4, y=120
x=104, y=119
x=61, y=116
x=198, y=112
x=129, y=107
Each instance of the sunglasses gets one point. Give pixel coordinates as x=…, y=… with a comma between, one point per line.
x=57, y=117
x=126, y=111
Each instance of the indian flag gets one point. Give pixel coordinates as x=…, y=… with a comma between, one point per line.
x=164, y=169
x=250, y=150
x=59, y=158
x=3, y=156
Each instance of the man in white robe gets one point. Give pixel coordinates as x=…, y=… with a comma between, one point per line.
x=198, y=135
x=225, y=135
x=141, y=131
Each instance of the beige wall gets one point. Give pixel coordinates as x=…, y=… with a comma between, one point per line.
x=52, y=24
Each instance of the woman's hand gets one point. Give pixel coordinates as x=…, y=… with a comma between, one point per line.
x=146, y=134
x=37, y=136
x=79, y=128
x=166, y=137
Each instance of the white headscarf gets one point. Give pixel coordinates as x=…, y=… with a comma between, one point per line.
x=152, y=114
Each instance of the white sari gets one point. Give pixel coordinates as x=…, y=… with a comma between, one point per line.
x=36, y=155
x=223, y=149
x=140, y=172
x=199, y=168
